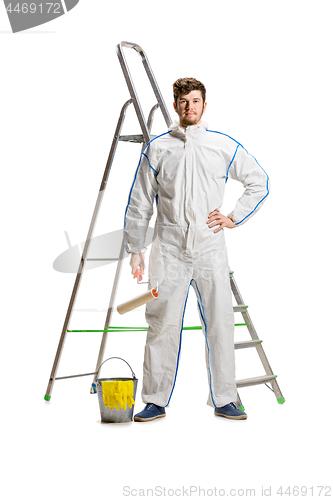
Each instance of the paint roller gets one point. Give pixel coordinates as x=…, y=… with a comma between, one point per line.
x=141, y=299
x=138, y=301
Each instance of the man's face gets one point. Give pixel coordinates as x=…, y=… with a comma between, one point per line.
x=190, y=108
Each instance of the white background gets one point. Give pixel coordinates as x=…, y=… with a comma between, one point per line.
x=267, y=69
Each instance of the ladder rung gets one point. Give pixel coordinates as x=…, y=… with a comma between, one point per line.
x=133, y=138
x=255, y=380
x=240, y=308
x=247, y=343
x=75, y=376
x=105, y=259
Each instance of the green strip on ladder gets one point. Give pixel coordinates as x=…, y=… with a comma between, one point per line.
x=139, y=329
x=128, y=327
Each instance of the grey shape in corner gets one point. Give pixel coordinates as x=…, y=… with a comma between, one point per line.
x=70, y=4
x=23, y=15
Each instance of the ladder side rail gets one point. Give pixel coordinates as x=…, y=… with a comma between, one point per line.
x=110, y=311
x=151, y=78
x=116, y=278
x=238, y=401
x=156, y=88
x=151, y=117
x=85, y=251
x=250, y=326
x=254, y=336
x=130, y=84
x=245, y=314
x=133, y=94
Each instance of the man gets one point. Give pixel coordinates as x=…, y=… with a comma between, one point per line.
x=185, y=170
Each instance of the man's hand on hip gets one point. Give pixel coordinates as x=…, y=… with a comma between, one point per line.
x=215, y=218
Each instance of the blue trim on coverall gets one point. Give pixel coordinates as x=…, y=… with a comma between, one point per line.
x=144, y=154
x=136, y=173
x=202, y=314
x=239, y=144
x=180, y=344
x=231, y=163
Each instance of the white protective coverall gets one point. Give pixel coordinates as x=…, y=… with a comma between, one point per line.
x=185, y=170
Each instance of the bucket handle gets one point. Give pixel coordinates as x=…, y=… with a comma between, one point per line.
x=115, y=357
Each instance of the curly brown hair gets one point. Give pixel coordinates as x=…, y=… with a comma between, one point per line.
x=186, y=85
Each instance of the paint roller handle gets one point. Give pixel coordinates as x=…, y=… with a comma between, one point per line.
x=137, y=263
x=115, y=357
x=138, y=274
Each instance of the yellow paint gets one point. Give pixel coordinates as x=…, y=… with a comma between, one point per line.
x=118, y=394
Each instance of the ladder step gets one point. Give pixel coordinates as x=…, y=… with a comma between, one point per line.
x=75, y=376
x=133, y=138
x=255, y=380
x=109, y=259
x=240, y=308
x=247, y=343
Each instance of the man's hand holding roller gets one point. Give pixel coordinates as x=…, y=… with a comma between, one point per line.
x=137, y=264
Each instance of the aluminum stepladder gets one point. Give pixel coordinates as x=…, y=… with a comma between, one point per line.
x=144, y=139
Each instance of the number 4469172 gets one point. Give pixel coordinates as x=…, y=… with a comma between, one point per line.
x=32, y=8
x=324, y=491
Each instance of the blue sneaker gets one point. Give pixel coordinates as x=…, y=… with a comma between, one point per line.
x=230, y=411
x=150, y=412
